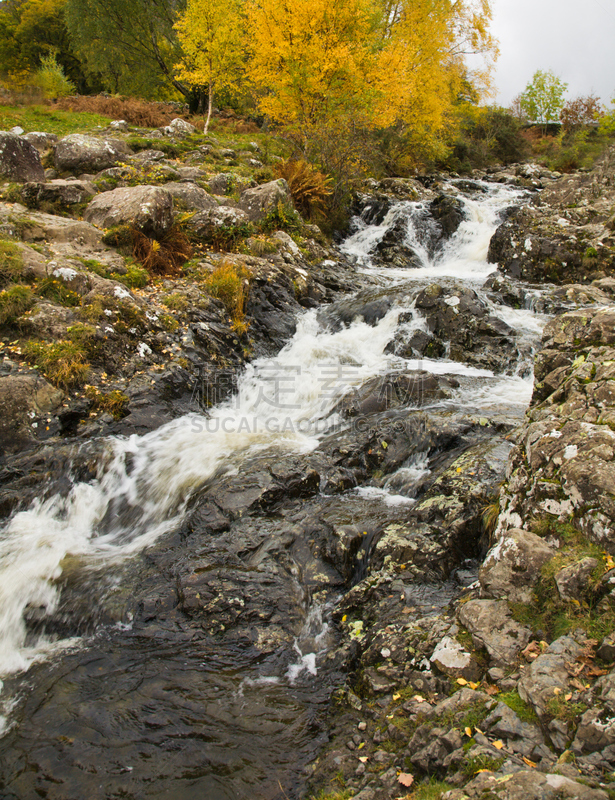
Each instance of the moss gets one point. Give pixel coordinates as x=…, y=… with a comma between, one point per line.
x=513, y=700
x=477, y=763
x=135, y=277
x=565, y=710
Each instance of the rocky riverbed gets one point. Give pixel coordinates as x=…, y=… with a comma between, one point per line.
x=318, y=547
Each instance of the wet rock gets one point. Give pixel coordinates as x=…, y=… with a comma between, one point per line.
x=548, y=672
x=393, y=249
x=491, y=624
x=258, y=202
x=511, y=569
x=449, y=213
x=79, y=154
x=28, y=409
x=148, y=208
x=19, y=160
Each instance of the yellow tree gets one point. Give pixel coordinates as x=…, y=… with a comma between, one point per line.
x=381, y=61
x=212, y=36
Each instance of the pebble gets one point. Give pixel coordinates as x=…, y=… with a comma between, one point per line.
x=362, y=726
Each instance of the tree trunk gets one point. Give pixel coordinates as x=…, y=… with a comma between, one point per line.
x=210, y=102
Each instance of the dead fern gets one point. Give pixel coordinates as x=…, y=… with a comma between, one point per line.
x=309, y=187
x=163, y=255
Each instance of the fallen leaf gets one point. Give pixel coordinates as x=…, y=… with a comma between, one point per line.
x=557, y=690
x=491, y=688
x=405, y=779
x=473, y=685
x=462, y=681
x=532, y=651
x=418, y=698
x=468, y=732
x=568, y=697
x=363, y=759
x=396, y=696
x=499, y=744
x=478, y=730
x=529, y=763
x=361, y=746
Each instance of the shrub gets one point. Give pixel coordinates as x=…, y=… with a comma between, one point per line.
x=230, y=284
x=52, y=80
x=135, y=277
x=63, y=363
x=136, y=112
x=162, y=256
x=281, y=218
x=14, y=302
x=309, y=187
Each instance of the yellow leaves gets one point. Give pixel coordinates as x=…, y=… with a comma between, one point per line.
x=499, y=744
x=405, y=779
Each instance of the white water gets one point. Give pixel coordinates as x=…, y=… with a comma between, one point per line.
x=286, y=403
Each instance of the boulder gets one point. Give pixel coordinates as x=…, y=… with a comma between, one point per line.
x=78, y=153
x=19, y=160
x=148, y=208
x=492, y=627
x=58, y=192
x=512, y=567
x=222, y=183
x=258, y=202
x=526, y=785
x=573, y=581
x=205, y=224
x=449, y=213
x=452, y=659
x=27, y=405
x=42, y=141
x=548, y=673
x=191, y=195
x=178, y=127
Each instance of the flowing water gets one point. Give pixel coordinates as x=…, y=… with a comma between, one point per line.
x=157, y=706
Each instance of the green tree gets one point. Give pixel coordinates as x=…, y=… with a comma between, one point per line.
x=543, y=98
x=212, y=35
x=130, y=44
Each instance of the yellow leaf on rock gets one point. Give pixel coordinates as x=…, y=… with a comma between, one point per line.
x=361, y=746
x=528, y=762
x=396, y=696
x=405, y=779
x=499, y=744
x=462, y=681
x=468, y=731
x=473, y=685
x=363, y=759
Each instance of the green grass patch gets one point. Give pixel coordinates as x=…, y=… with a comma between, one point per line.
x=50, y=120
x=63, y=363
x=432, y=790
x=474, y=764
x=114, y=402
x=15, y=301
x=54, y=289
x=11, y=263
x=550, y=616
x=524, y=711
x=176, y=301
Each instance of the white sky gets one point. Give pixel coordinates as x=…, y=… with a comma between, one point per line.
x=574, y=38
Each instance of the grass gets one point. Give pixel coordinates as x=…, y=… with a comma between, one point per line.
x=176, y=301
x=54, y=289
x=114, y=402
x=432, y=790
x=63, y=363
x=11, y=262
x=230, y=284
x=514, y=701
x=50, y=119
x=550, y=615
x=14, y=302
x=475, y=764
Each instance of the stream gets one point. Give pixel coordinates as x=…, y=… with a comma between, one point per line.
x=166, y=629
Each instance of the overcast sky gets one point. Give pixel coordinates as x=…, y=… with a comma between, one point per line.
x=574, y=38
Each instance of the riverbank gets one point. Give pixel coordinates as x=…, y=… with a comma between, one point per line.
x=198, y=584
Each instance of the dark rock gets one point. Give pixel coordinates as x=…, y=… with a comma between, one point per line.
x=19, y=160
